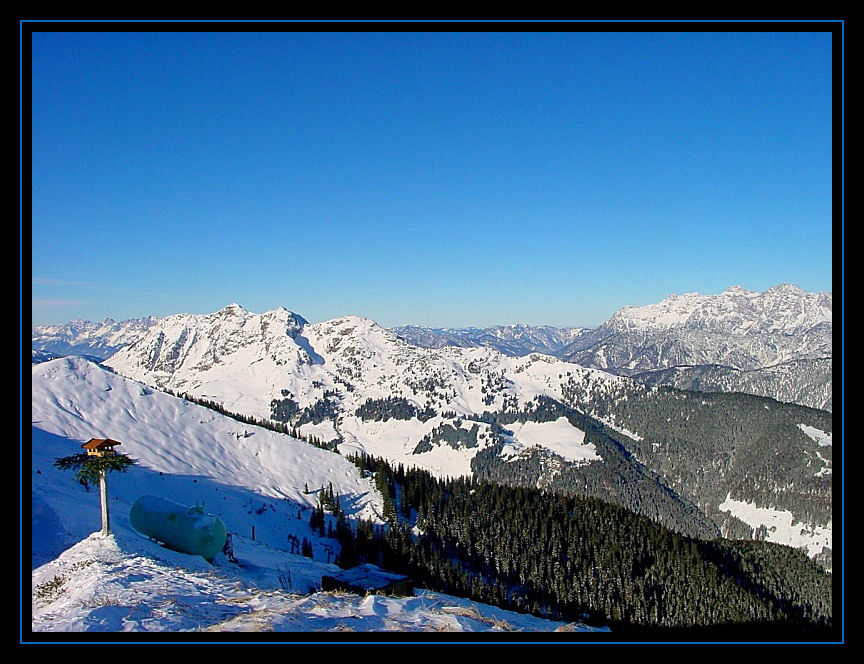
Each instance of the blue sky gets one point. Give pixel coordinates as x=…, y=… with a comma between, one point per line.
x=444, y=179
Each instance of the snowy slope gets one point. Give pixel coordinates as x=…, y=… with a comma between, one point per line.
x=76, y=400
x=233, y=468
x=780, y=526
x=123, y=584
x=247, y=476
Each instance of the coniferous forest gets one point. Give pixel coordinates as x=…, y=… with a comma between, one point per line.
x=564, y=555
x=581, y=559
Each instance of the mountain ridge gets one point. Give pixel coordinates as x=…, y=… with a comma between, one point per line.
x=535, y=419
x=777, y=343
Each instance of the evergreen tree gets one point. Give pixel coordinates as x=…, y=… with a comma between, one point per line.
x=91, y=469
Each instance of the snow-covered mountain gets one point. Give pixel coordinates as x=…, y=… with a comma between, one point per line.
x=512, y=340
x=532, y=420
x=81, y=337
x=776, y=343
x=784, y=308
x=251, y=478
x=275, y=365
x=363, y=388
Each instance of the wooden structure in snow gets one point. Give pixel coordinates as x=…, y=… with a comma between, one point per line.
x=368, y=578
x=100, y=446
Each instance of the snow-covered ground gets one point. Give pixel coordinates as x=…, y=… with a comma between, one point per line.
x=125, y=583
x=781, y=525
x=254, y=480
x=821, y=438
x=559, y=437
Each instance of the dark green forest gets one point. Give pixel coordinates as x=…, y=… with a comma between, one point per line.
x=609, y=544
x=584, y=560
x=398, y=408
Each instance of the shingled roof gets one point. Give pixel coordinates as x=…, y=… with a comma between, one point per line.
x=100, y=444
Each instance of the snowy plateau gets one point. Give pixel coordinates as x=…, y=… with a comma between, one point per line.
x=251, y=478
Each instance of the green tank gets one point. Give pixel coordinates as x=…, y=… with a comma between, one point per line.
x=181, y=528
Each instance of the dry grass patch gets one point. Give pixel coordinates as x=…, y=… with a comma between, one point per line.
x=569, y=627
x=467, y=611
x=256, y=621
x=503, y=625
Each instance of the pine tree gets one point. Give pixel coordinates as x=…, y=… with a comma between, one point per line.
x=91, y=469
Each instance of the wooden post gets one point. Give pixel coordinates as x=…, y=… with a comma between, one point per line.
x=103, y=495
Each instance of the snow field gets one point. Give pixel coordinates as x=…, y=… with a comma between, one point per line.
x=113, y=584
x=782, y=528
x=559, y=437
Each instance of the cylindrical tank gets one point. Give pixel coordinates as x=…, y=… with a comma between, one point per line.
x=182, y=528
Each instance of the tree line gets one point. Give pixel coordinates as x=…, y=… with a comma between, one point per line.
x=580, y=558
